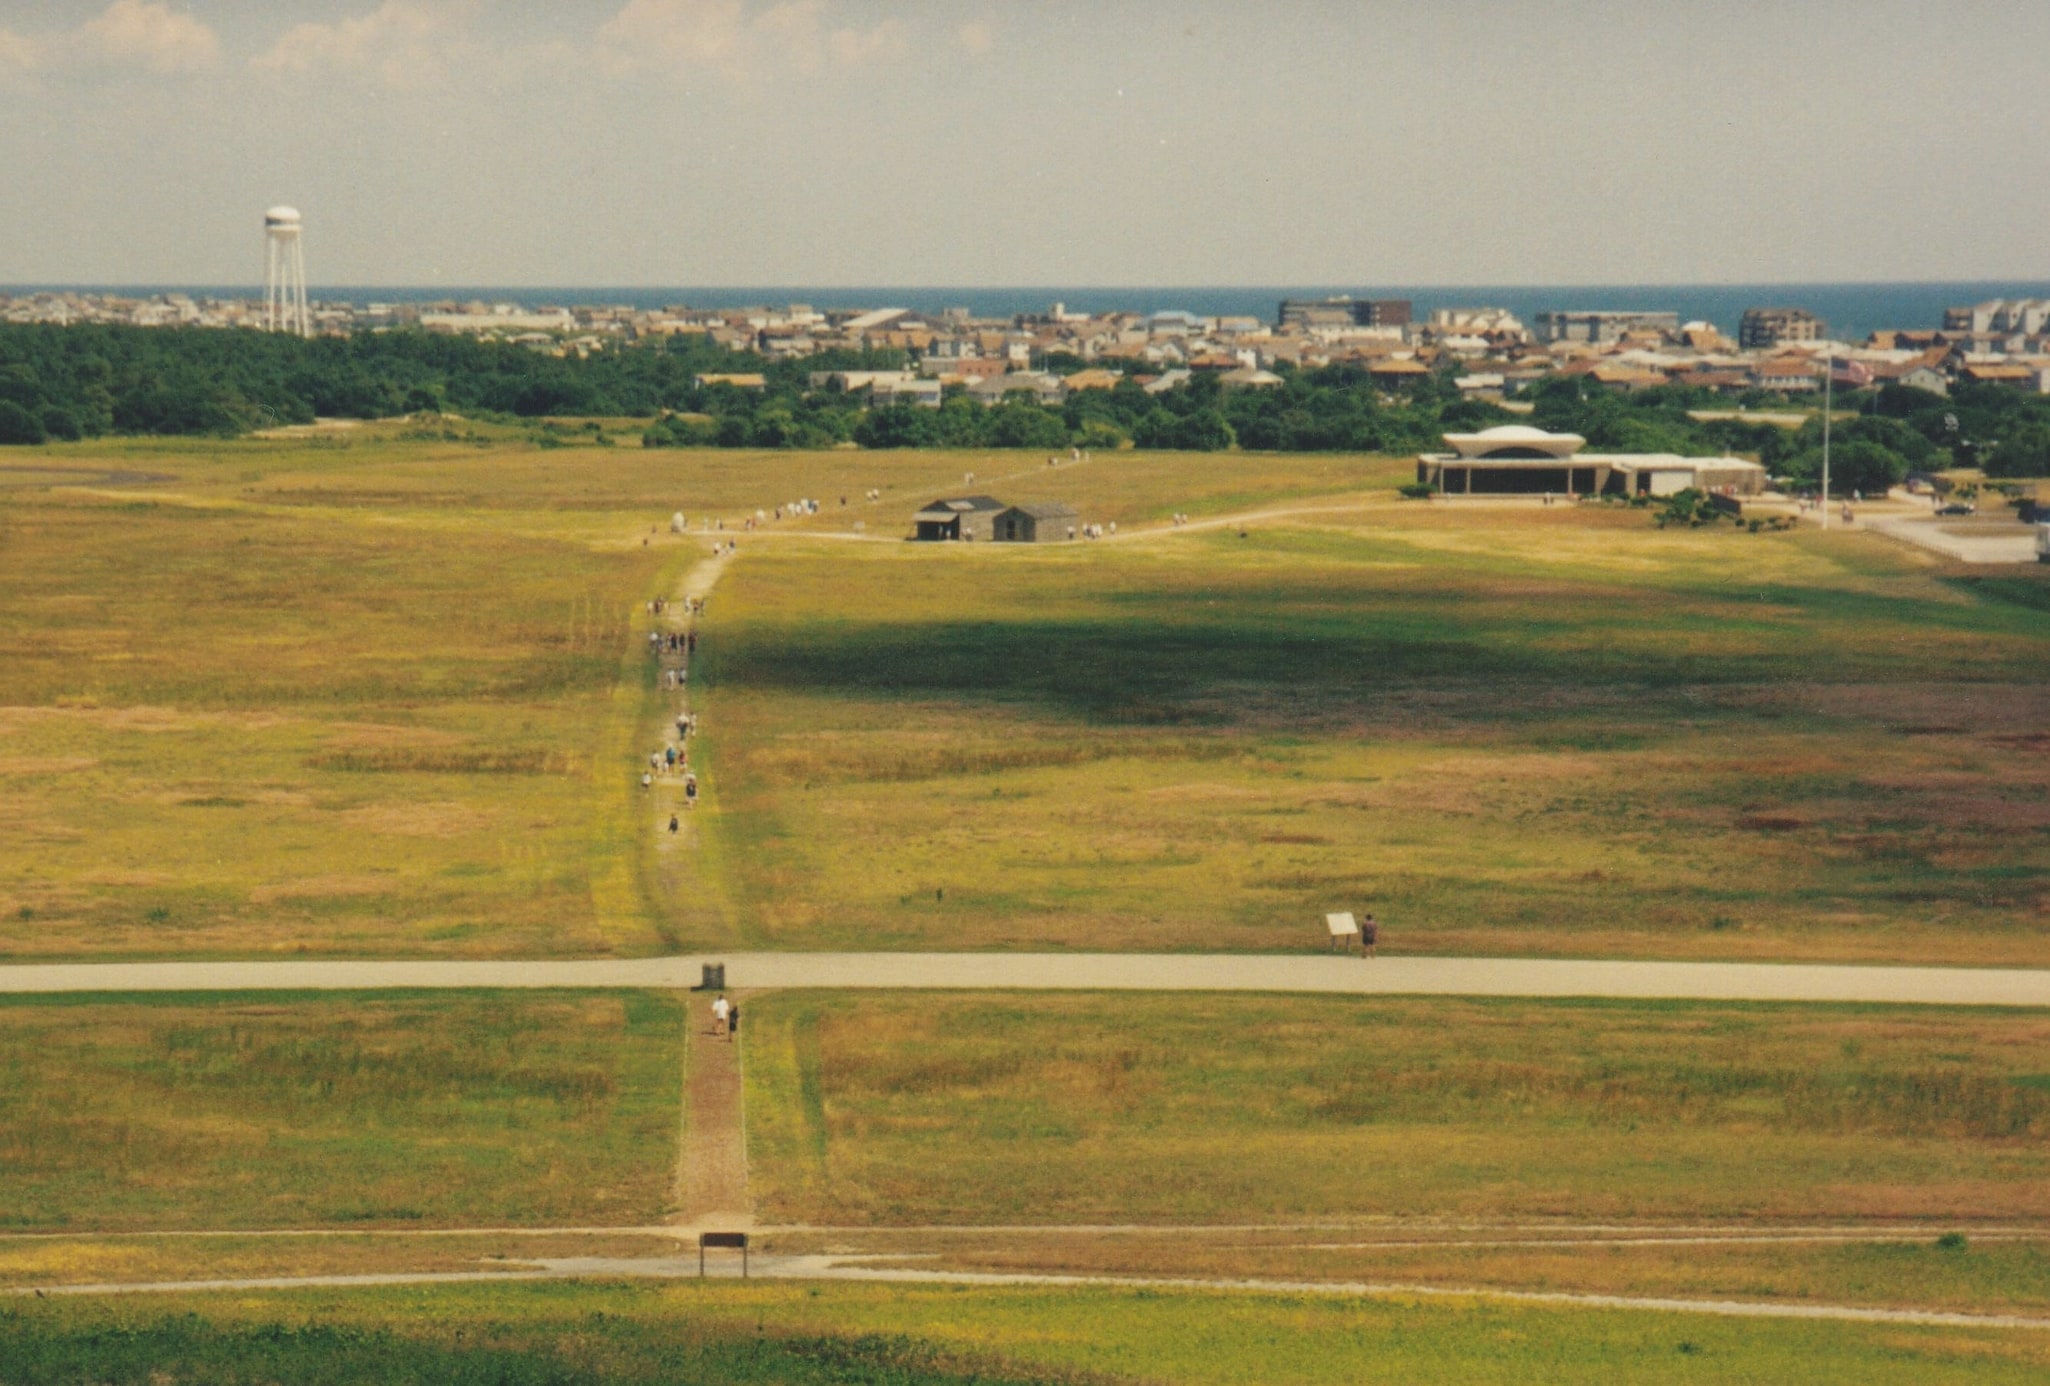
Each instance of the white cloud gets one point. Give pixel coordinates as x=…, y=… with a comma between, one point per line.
x=144, y=34
x=148, y=34
x=17, y=51
x=682, y=37
x=402, y=43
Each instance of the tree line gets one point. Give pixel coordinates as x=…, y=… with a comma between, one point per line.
x=59, y=382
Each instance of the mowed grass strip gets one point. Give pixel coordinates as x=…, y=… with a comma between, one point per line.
x=726, y=1332
x=897, y=1109
x=1503, y=730
x=233, y=731
x=366, y=1110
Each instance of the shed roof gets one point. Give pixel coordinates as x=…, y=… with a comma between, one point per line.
x=1046, y=510
x=949, y=506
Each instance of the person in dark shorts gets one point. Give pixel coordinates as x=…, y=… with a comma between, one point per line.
x=1370, y=934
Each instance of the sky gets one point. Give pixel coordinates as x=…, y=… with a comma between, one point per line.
x=1055, y=142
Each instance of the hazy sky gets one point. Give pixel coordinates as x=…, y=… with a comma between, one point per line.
x=969, y=142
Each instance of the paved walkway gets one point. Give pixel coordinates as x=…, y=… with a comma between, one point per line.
x=2016, y=544
x=1302, y=972
x=850, y=1268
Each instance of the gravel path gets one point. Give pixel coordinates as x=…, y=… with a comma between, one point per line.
x=1302, y=972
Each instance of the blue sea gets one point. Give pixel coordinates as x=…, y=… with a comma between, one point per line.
x=1851, y=310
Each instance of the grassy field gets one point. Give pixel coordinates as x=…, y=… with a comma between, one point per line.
x=1504, y=730
x=728, y=1333
x=1100, y=1109
x=376, y=690
x=468, y=1108
x=235, y=728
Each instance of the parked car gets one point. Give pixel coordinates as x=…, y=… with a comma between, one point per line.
x=1959, y=508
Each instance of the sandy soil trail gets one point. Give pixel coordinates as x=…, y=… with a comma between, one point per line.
x=712, y=1192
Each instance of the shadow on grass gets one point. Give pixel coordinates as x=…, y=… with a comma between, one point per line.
x=1158, y=659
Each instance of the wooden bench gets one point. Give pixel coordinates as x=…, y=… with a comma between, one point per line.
x=731, y=1240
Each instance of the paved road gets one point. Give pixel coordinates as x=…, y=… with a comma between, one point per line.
x=1302, y=972
x=726, y=1266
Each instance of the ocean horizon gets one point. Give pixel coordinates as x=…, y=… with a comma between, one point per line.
x=1851, y=310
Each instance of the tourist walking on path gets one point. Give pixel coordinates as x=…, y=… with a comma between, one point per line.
x=720, y=1010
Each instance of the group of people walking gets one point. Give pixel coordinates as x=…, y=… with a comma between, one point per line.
x=673, y=649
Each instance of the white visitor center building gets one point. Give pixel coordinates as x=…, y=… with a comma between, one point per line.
x=1518, y=460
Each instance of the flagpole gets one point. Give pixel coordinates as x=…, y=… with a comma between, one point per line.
x=1828, y=394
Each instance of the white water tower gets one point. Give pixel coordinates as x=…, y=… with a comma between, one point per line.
x=284, y=273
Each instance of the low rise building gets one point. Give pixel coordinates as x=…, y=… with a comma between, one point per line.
x=1039, y=522
x=1516, y=459
x=958, y=517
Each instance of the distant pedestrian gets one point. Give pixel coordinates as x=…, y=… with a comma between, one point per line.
x=1370, y=934
x=672, y=823
x=733, y=1020
x=690, y=791
x=647, y=780
x=721, y=1009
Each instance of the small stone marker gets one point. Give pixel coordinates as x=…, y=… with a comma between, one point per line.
x=1344, y=929
x=714, y=977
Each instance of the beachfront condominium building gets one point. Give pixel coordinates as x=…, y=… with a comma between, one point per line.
x=1602, y=327
x=1307, y=313
x=1764, y=328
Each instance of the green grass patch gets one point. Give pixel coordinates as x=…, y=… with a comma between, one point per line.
x=901, y=1109
x=916, y=1335
x=322, y=1109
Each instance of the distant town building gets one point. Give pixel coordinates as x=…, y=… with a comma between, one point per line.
x=1602, y=327
x=2026, y=317
x=1924, y=378
x=1477, y=322
x=1761, y=329
x=1248, y=378
x=503, y=318
x=1344, y=311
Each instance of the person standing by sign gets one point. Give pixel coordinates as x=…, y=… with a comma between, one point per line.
x=1370, y=934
